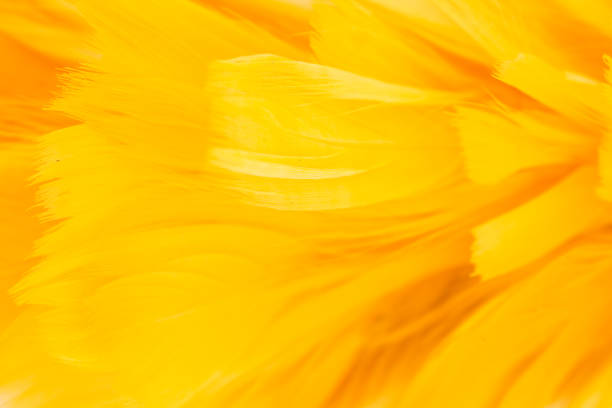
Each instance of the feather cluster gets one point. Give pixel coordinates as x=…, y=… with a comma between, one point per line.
x=285, y=203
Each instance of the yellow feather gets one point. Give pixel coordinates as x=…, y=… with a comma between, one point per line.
x=284, y=203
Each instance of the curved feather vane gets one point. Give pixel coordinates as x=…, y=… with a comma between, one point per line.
x=284, y=203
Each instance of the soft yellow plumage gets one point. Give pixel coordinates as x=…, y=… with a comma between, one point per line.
x=343, y=203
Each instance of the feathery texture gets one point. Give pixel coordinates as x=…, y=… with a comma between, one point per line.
x=285, y=203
